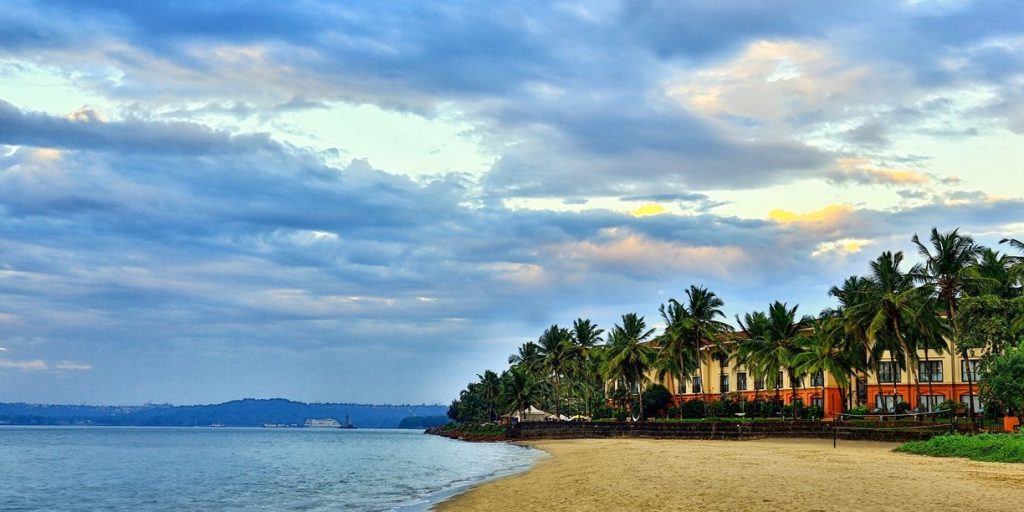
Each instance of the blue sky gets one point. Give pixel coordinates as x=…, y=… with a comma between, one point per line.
x=375, y=201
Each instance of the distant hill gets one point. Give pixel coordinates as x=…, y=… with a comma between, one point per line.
x=423, y=421
x=249, y=412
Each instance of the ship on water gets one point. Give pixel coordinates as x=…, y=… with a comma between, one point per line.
x=328, y=423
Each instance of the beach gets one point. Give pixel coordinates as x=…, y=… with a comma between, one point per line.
x=771, y=474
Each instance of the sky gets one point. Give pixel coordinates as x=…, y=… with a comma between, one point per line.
x=376, y=201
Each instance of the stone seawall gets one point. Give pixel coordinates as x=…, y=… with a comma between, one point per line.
x=714, y=430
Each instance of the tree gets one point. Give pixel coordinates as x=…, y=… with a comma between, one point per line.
x=557, y=354
x=1002, y=380
x=825, y=351
x=754, y=327
x=518, y=390
x=490, y=387
x=992, y=275
x=528, y=358
x=676, y=350
x=947, y=270
x=629, y=357
x=988, y=323
x=887, y=307
x=586, y=337
x=702, y=325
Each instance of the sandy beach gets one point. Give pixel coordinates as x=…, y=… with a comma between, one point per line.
x=776, y=474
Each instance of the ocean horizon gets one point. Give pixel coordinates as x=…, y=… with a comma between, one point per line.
x=187, y=468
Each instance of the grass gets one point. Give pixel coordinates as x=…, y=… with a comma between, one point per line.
x=981, y=447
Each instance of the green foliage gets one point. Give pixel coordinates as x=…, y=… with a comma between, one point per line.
x=860, y=410
x=1002, y=380
x=902, y=407
x=656, y=397
x=951, y=405
x=422, y=421
x=986, y=322
x=815, y=412
x=693, y=409
x=982, y=447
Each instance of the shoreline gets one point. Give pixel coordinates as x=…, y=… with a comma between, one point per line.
x=795, y=474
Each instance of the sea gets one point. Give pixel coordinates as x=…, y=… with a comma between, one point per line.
x=181, y=469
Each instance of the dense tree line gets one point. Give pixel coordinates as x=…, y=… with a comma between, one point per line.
x=961, y=297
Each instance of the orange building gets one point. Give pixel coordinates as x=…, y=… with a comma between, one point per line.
x=932, y=380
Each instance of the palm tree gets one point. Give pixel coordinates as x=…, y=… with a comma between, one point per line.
x=776, y=342
x=947, y=270
x=826, y=351
x=701, y=312
x=676, y=356
x=519, y=390
x=557, y=352
x=629, y=357
x=853, y=291
x=886, y=309
x=586, y=336
x=754, y=327
x=528, y=358
x=490, y=388
x=992, y=274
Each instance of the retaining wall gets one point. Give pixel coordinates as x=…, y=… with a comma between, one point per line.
x=712, y=430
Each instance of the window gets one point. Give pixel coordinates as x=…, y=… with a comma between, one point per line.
x=759, y=382
x=817, y=400
x=929, y=371
x=741, y=381
x=682, y=387
x=725, y=383
x=818, y=379
x=862, y=390
x=888, y=371
x=798, y=401
x=929, y=402
x=696, y=385
x=778, y=381
x=973, y=364
x=797, y=382
x=887, y=403
x=967, y=399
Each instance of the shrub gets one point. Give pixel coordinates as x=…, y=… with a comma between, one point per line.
x=902, y=407
x=815, y=412
x=693, y=408
x=673, y=412
x=950, y=405
x=860, y=410
x=982, y=447
x=656, y=397
x=620, y=414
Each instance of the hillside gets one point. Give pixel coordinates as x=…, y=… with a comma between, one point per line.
x=248, y=412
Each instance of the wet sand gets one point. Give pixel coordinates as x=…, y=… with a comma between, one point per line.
x=776, y=474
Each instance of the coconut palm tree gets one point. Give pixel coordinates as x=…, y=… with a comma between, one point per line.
x=519, y=390
x=676, y=355
x=629, y=357
x=776, y=341
x=528, y=358
x=854, y=290
x=825, y=351
x=754, y=329
x=947, y=269
x=992, y=274
x=887, y=308
x=557, y=353
x=586, y=337
x=702, y=325
x=490, y=388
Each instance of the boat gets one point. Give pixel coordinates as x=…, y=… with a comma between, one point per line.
x=322, y=423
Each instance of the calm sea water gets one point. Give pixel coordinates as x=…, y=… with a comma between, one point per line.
x=120, y=469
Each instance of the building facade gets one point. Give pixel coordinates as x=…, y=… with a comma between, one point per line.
x=934, y=379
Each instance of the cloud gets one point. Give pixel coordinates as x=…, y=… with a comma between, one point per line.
x=40, y=365
x=862, y=171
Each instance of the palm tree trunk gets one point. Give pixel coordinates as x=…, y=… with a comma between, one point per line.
x=927, y=363
x=682, y=379
x=558, y=382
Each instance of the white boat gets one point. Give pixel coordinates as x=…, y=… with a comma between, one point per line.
x=322, y=423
